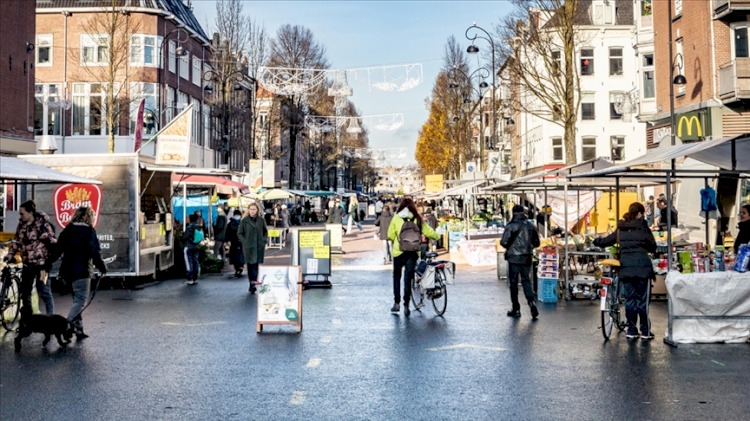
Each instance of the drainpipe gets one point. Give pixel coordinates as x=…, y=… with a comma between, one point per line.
x=63, y=111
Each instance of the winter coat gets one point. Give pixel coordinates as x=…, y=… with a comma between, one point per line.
x=394, y=229
x=336, y=216
x=384, y=222
x=519, y=240
x=188, y=235
x=253, y=235
x=235, y=245
x=354, y=210
x=34, y=240
x=79, y=247
x=220, y=228
x=743, y=236
x=284, y=219
x=636, y=242
x=663, y=219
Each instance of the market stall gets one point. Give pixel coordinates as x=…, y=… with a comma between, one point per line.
x=700, y=307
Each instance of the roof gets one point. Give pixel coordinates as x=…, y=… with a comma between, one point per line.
x=717, y=152
x=15, y=169
x=176, y=7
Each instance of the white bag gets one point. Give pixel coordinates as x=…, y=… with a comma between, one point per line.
x=428, y=278
x=450, y=272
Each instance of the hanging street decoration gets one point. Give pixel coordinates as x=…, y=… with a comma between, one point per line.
x=380, y=122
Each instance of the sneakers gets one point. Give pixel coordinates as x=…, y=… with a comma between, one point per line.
x=514, y=313
x=81, y=336
x=647, y=336
x=252, y=289
x=191, y=282
x=406, y=309
x=396, y=308
x=631, y=335
x=534, y=312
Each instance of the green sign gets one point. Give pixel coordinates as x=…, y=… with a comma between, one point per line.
x=695, y=125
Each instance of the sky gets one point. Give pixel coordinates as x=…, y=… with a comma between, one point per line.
x=378, y=33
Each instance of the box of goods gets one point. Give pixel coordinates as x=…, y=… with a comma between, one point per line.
x=699, y=265
x=719, y=260
x=581, y=291
x=550, y=275
x=547, y=289
x=660, y=287
x=685, y=259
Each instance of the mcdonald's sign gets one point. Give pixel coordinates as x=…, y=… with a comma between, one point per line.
x=689, y=126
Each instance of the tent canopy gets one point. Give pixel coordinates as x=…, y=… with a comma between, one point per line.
x=15, y=169
x=459, y=190
x=223, y=185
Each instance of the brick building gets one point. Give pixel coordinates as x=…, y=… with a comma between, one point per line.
x=166, y=54
x=17, y=29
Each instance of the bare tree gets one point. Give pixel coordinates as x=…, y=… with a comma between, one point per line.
x=256, y=55
x=539, y=66
x=104, y=62
x=295, y=47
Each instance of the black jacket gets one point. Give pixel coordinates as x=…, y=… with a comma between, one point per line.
x=384, y=221
x=220, y=228
x=336, y=216
x=663, y=219
x=79, y=248
x=743, y=237
x=636, y=242
x=519, y=239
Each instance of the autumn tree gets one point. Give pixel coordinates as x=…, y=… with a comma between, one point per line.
x=539, y=62
x=104, y=59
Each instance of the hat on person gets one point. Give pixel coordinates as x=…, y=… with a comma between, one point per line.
x=518, y=209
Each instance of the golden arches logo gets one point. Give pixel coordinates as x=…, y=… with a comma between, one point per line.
x=689, y=122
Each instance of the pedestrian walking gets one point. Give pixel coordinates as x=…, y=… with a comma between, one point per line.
x=378, y=208
x=519, y=240
x=405, y=231
x=336, y=215
x=431, y=220
x=354, y=215
x=236, y=257
x=220, y=233
x=191, y=239
x=253, y=234
x=384, y=222
x=201, y=222
x=650, y=210
x=34, y=238
x=79, y=247
x=636, y=271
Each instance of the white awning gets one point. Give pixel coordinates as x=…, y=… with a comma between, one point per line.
x=15, y=169
x=186, y=170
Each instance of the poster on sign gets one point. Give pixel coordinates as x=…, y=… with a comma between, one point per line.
x=67, y=198
x=315, y=252
x=279, y=296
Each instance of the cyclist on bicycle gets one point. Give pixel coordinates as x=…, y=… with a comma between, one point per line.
x=34, y=236
x=636, y=270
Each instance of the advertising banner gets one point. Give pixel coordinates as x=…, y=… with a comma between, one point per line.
x=279, y=296
x=69, y=197
x=315, y=252
x=173, y=142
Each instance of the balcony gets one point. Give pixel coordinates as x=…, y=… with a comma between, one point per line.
x=724, y=8
x=734, y=80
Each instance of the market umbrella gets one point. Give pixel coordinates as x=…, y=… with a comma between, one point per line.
x=275, y=194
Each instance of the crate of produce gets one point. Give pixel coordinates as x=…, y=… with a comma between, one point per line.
x=547, y=290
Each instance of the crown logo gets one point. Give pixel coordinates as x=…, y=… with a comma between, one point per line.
x=77, y=195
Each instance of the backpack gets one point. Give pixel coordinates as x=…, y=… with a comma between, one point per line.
x=410, y=237
x=197, y=235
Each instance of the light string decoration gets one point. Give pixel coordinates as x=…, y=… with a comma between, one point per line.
x=381, y=122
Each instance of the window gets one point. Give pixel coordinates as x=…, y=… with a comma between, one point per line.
x=588, y=106
x=196, y=120
x=603, y=13
x=588, y=148
x=169, y=107
x=185, y=67
x=196, y=71
x=89, y=109
x=262, y=120
x=94, y=50
x=649, y=91
x=44, y=50
x=143, y=51
x=677, y=8
x=615, y=61
x=557, y=149
x=680, y=65
x=556, y=63
x=556, y=112
x=587, y=62
x=172, y=57
x=182, y=101
x=615, y=99
x=740, y=41
x=647, y=20
x=149, y=92
x=618, y=147
x=46, y=109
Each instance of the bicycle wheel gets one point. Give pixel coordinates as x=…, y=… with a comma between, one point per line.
x=10, y=303
x=618, y=304
x=608, y=320
x=439, y=294
x=417, y=296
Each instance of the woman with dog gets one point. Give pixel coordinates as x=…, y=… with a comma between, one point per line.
x=34, y=237
x=79, y=247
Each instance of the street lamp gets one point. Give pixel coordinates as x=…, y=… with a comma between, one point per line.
x=223, y=79
x=179, y=52
x=483, y=73
x=473, y=49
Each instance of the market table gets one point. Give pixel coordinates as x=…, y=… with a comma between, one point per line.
x=708, y=307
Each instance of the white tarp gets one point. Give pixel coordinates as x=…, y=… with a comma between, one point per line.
x=709, y=294
x=557, y=201
x=15, y=169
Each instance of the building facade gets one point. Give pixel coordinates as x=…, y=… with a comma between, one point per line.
x=17, y=74
x=160, y=53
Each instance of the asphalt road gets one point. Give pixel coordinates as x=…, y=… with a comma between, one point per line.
x=177, y=352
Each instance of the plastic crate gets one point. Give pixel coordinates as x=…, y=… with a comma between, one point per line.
x=547, y=290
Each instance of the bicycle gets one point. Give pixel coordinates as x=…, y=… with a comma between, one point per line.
x=612, y=301
x=10, y=297
x=438, y=294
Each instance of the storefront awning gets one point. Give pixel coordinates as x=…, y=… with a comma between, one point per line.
x=222, y=185
x=15, y=169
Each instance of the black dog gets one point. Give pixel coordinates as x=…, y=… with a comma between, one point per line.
x=49, y=324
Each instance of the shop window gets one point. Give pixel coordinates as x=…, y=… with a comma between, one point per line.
x=557, y=149
x=649, y=91
x=44, y=50
x=587, y=62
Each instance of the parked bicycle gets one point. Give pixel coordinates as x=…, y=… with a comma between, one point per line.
x=438, y=294
x=10, y=297
x=612, y=300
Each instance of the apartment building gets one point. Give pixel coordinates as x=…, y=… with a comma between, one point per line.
x=17, y=75
x=160, y=54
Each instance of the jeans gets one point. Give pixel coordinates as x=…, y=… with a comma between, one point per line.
x=219, y=249
x=252, y=272
x=349, y=225
x=408, y=260
x=387, y=248
x=81, y=289
x=637, y=292
x=29, y=277
x=524, y=271
x=191, y=264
